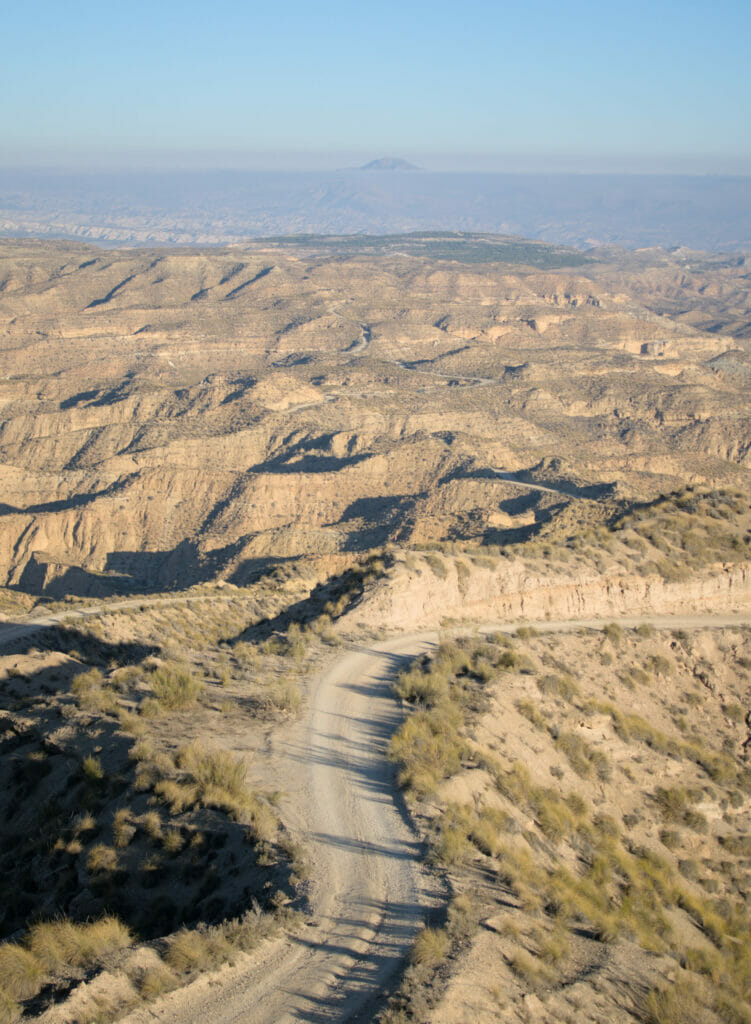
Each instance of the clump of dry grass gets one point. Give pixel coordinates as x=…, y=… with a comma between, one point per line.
x=427, y=748
x=62, y=944
x=430, y=947
x=101, y=860
x=92, y=768
x=156, y=981
x=123, y=829
x=583, y=757
x=21, y=972
x=197, y=949
x=213, y=770
x=10, y=1011
x=175, y=686
x=91, y=693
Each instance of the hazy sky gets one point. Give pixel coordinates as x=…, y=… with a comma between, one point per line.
x=605, y=84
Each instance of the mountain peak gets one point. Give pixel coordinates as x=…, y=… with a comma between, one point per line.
x=389, y=163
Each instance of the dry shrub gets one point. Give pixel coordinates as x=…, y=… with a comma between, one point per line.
x=451, y=842
x=421, y=687
x=151, y=823
x=261, y=819
x=525, y=965
x=86, y=681
x=532, y=713
x=130, y=723
x=122, y=828
x=247, y=931
x=555, y=946
x=583, y=757
x=284, y=695
x=486, y=829
x=173, y=841
x=142, y=750
x=85, y=822
x=677, y=1003
x=559, y=686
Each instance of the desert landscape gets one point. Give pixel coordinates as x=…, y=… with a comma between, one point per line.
x=375, y=632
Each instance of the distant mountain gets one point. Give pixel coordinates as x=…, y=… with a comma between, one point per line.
x=389, y=163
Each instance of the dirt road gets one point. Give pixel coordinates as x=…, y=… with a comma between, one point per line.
x=369, y=892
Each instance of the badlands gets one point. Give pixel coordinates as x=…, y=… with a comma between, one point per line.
x=374, y=632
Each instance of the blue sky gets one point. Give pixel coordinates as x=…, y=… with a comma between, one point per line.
x=614, y=85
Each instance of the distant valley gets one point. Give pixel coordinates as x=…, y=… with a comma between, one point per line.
x=218, y=208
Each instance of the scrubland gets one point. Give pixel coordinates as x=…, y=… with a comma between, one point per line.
x=587, y=797
x=136, y=841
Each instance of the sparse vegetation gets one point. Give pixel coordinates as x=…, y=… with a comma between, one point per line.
x=174, y=686
x=619, y=887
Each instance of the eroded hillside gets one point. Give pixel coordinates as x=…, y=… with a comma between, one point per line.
x=171, y=416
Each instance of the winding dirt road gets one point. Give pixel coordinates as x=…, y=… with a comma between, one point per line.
x=370, y=892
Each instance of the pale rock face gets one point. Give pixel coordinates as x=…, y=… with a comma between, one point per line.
x=511, y=593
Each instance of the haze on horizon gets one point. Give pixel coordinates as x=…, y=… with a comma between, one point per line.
x=646, y=88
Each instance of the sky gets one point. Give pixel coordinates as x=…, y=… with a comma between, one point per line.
x=540, y=85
